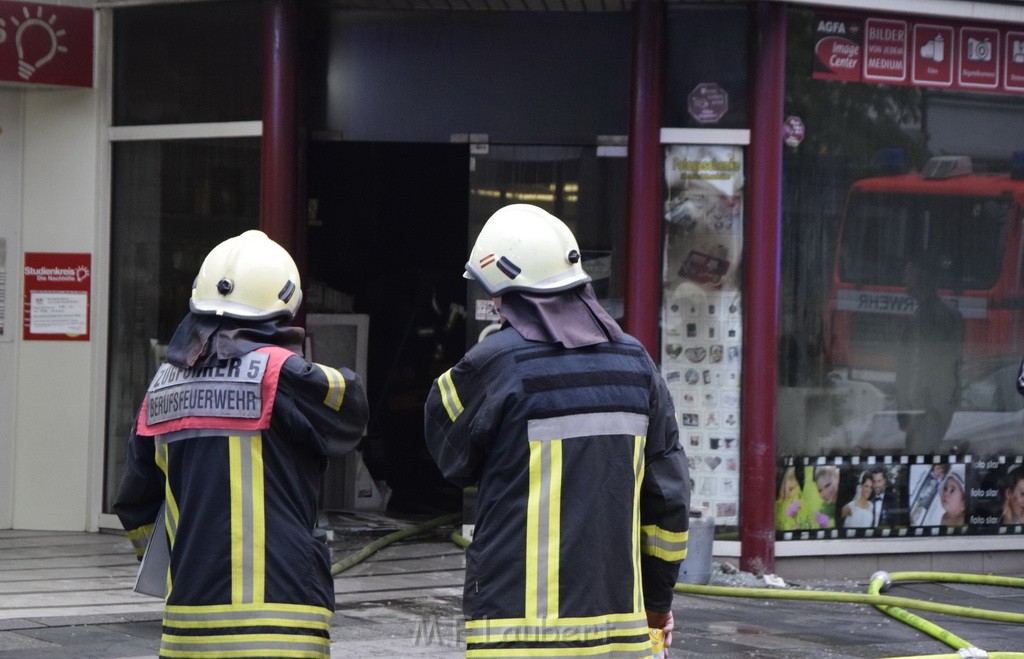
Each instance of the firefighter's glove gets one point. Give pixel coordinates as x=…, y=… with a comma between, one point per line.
x=662, y=621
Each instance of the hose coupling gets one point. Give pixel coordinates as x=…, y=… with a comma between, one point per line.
x=884, y=577
x=972, y=653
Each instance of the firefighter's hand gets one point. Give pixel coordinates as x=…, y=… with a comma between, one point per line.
x=663, y=621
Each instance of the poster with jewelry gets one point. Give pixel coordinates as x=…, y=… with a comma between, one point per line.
x=701, y=316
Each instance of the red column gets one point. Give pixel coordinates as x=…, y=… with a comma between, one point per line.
x=762, y=235
x=643, y=233
x=278, y=151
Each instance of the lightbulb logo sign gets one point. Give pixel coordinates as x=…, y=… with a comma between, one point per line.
x=46, y=44
x=37, y=41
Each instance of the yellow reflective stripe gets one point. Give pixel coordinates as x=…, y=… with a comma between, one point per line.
x=533, y=529
x=335, y=387
x=625, y=635
x=259, y=521
x=449, y=397
x=230, y=654
x=663, y=544
x=554, y=526
x=218, y=639
x=639, y=650
x=162, y=456
x=245, y=645
x=140, y=538
x=638, y=475
x=237, y=518
x=657, y=533
x=248, y=525
x=543, y=523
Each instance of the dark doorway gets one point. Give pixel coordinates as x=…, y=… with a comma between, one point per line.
x=388, y=238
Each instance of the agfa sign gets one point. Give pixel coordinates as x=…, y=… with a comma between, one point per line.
x=707, y=103
x=46, y=44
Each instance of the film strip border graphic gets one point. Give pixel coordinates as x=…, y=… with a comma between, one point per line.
x=898, y=496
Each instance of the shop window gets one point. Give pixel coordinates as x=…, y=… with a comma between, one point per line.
x=171, y=202
x=188, y=63
x=900, y=329
x=584, y=189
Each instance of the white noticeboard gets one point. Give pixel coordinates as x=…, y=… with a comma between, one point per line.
x=701, y=349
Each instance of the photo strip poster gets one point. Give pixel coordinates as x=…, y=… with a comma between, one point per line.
x=899, y=496
x=701, y=328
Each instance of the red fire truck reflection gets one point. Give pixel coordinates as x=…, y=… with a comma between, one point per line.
x=969, y=226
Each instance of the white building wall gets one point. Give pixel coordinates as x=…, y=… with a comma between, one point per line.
x=10, y=286
x=54, y=412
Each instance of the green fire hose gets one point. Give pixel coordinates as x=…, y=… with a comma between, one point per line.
x=891, y=606
x=380, y=543
x=896, y=606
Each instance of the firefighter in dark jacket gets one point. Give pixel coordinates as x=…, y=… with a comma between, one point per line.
x=234, y=434
x=567, y=427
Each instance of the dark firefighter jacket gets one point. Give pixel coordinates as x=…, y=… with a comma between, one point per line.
x=238, y=448
x=582, y=510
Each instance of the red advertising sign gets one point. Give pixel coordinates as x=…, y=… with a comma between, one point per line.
x=933, y=55
x=1014, y=78
x=46, y=44
x=885, y=49
x=838, y=49
x=920, y=52
x=57, y=296
x=979, y=58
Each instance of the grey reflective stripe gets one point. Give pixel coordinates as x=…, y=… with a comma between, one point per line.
x=239, y=644
x=587, y=425
x=543, y=531
x=654, y=541
x=193, y=433
x=170, y=523
x=175, y=615
x=335, y=387
x=248, y=532
x=510, y=631
x=449, y=396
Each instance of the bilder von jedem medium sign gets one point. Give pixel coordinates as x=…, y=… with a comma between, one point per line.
x=43, y=44
x=920, y=52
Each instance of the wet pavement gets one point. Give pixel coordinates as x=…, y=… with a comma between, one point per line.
x=69, y=595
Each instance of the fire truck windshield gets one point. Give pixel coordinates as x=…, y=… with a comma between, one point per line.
x=883, y=230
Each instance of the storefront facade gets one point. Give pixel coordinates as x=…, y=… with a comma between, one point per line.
x=711, y=158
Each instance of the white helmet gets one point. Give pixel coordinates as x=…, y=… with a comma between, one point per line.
x=525, y=248
x=249, y=277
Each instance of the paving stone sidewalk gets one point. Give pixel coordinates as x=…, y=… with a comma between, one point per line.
x=69, y=595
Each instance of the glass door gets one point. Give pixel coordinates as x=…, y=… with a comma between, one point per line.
x=584, y=186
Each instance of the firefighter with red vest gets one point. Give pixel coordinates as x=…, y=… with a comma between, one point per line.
x=231, y=442
x=568, y=429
